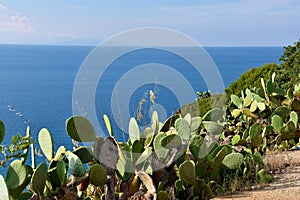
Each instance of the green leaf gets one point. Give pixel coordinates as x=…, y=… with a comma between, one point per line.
x=235, y=139
x=277, y=123
x=84, y=154
x=233, y=160
x=97, y=175
x=247, y=101
x=294, y=118
x=3, y=189
x=39, y=178
x=187, y=172
x=283, y=112
x=18, y=177
x=195, y=123
x=183, y=128
x=188, y=118
x=261, y=106
x=58, y=173
x=236, y=113
x=195, y=146
x=134, y=132
x=161, y=152
x=171, y=141
x=107, y=124
x=215, y=114
x=236, y=101
x=75, y=164
x=60, y=153
x=162, y=195
x=2, y=131
x=144, y=156
x=253, y=106
x=80, y=129
x=46, y=144
x=213, y=127
x=255, y=130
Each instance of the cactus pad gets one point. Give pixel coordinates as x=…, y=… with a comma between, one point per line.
x=80, y=129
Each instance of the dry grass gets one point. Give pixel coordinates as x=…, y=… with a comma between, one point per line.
x=285, y=166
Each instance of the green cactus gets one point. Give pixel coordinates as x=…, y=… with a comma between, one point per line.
x=215, y=114
x=159, y=150
x=80, y=129
x=283, y=112
x=149, y=135
x=169, y=123
x=195, y=123
x=134, y=131
x=3, y=189
x=188, y=118
x=108, y=124
x=2, y=131
x=196, y=145
x=84, y=154
x=58, y=173
x=187, y=172
x=60, y=153
x=213, y=127
x=236, y=101
x=136, y=149
x=171, y=141
x=39, y=178
x=294, y=118
x=264, y=177
x=295, y=106
x=97, y=175
x=18, y=176
x=255, y=130
x=46, y=144
x=179, y=185
x=183, y=128
x=235, y=139
x=258, y=159
x=162, y=195
x=75, y=164
x=277, y=123
x=233, y=160
x=217, y=161
x=253, y=106
x=144, y=156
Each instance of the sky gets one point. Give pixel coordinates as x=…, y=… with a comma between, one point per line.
x=209, y=22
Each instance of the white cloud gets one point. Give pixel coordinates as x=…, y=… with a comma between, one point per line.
x=13, y=22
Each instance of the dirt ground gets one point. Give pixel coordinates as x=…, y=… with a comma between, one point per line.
x=285, y=167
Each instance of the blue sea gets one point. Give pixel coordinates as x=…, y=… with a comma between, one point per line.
x=36, y=83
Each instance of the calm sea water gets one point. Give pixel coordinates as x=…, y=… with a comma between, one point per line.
x=36, y=82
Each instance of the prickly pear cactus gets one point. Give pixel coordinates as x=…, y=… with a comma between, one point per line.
x=187, y=172
x=75, y=164
x=233, y=160
x=3, y=189
x=97, y=175
x=46, y=144
x=134, y=131
x=183, y=128
x=39, y=178
x=84, y=154
x=80, y=129
x=18, y=177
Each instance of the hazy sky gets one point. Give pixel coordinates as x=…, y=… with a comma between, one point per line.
x=209, y=22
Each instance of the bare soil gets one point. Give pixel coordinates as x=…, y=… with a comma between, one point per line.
x=285, y=167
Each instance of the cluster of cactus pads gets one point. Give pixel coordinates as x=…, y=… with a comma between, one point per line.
x=186, y=157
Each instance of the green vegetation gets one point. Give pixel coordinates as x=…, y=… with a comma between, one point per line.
x=287, y=72
x=190, y=155
x=251, y=78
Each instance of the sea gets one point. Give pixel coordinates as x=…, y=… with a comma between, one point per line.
x=36, y=84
